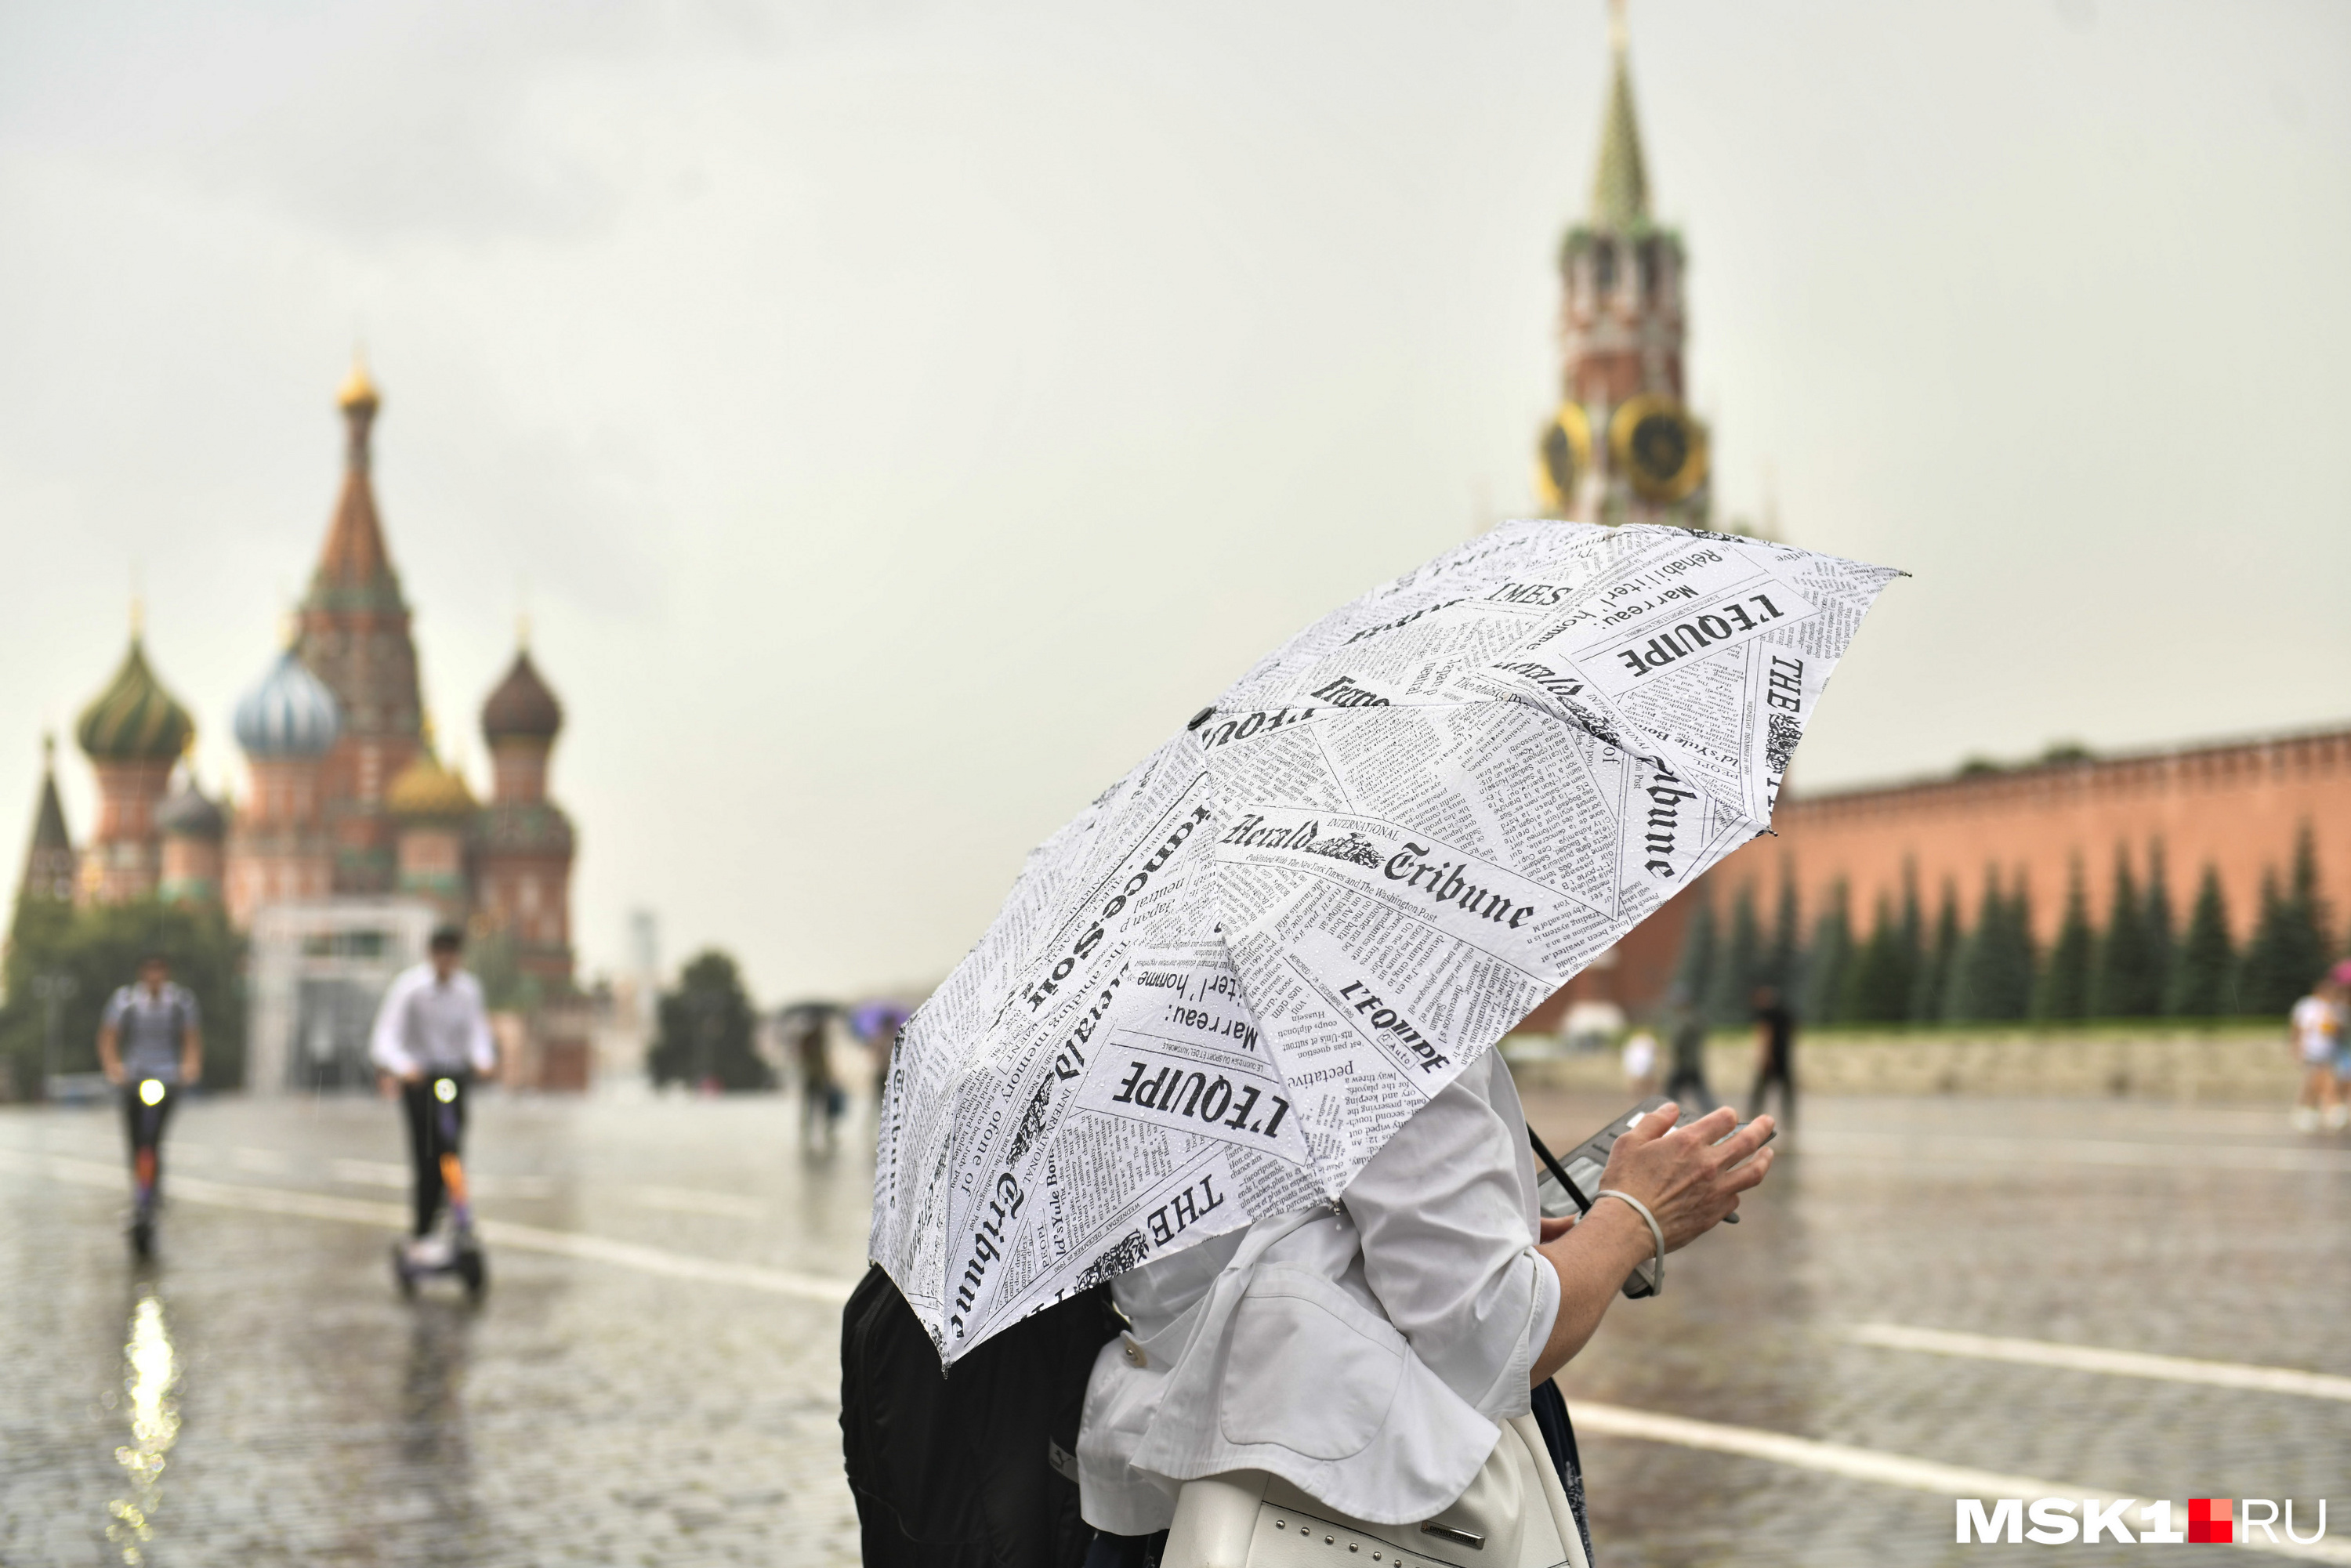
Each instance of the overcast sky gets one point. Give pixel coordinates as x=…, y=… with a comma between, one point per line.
x=896, y=417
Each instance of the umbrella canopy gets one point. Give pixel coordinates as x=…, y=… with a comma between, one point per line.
x=1219, y=990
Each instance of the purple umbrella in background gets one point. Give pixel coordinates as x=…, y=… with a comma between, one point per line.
x=878, y=1021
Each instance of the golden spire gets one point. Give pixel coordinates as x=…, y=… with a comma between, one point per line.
x=357, y=388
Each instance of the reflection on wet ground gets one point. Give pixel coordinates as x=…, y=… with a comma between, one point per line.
x=1934, y=1284
x=151, y=1380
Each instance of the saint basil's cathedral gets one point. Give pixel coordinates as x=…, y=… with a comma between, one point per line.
x=354, y=837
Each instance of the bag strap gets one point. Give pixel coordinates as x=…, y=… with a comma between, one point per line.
x=1582, y=1203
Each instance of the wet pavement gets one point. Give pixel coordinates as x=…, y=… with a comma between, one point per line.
x=652, y=1376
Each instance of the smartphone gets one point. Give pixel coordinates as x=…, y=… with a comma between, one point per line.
x=1565, y=1185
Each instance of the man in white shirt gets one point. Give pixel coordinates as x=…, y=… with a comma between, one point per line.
x=432, y=1035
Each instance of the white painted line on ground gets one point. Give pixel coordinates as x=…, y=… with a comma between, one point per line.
x=378, y=1173
x=2120, y=1363
x=676, y=1265
x=368, y=1173
x=269, y=1162
x=693, y=1201
x=501, y=1232
x=1992, y=1152
x=1950, y=1481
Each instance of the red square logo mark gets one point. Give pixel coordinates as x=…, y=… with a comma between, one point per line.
x=2211, y=1518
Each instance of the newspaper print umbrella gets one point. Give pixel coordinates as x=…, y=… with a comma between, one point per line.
x=1216, y=993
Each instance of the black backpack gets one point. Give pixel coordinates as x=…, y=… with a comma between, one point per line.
x=976, y=1467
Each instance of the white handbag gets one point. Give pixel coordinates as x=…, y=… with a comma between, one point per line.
x=1514, y=1515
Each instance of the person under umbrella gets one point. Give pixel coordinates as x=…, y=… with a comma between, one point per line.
x=1228, y=1048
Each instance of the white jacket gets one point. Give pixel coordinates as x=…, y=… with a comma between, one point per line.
x=1367, y=1356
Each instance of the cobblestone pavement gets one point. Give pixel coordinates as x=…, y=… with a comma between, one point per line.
x=2065, y=1221
x=652, y=1379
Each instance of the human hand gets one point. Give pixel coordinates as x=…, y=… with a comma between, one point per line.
x=114, y=1074
x=1684, y=1173
x=1552, y=1230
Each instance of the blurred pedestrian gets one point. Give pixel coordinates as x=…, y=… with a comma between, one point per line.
x=1640, y=1064
x=1775, y=1055
x=822, y=1100
x=2315, y=1030
x=1685, y=1028
x=151, y=1045
x=432, y=1037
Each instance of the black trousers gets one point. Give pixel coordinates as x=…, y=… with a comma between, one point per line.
x=1785, y=1075
x=142, y=1125
x=436, y=1127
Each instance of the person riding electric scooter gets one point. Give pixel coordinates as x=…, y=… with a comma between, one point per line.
x=432, y=1037
x=153, y=1050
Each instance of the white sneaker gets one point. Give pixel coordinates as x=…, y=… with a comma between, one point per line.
x=2306, y=1118
x=429, y=1252
x=2337, y=1116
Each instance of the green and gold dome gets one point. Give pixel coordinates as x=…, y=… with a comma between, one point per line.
x=134, y=719
x=424, y=790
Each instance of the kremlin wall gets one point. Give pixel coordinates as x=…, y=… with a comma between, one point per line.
x=352, y=839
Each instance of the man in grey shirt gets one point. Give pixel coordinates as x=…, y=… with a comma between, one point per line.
x=151, y=1043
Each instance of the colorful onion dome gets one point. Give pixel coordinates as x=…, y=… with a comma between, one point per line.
x=521, y=708
x=290, y=712
x=134, y=719
x=424, y=790
x=187, y=812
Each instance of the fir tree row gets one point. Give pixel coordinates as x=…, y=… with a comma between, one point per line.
x=1910, y=969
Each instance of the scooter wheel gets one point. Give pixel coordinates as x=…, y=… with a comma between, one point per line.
x=475, y=1272
x=400, y=1274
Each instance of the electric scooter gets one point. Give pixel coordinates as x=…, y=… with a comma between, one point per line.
x=150, y=1093
x=454, y=1250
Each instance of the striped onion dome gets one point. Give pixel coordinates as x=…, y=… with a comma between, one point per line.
x=426, y=790
x=134, y=719
x=290, y=712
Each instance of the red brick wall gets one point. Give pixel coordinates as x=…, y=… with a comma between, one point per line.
x=2237, y=807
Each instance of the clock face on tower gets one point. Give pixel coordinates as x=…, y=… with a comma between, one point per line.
x=1563, y=456
x=1656, y=444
